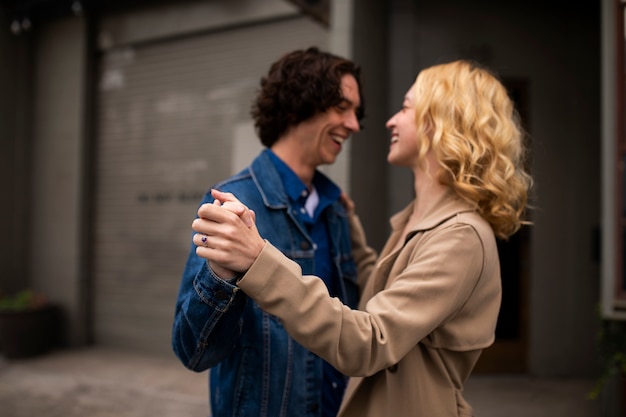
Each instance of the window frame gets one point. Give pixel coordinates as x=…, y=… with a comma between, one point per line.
x=613, y=291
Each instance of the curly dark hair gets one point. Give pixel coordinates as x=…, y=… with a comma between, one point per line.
x=298, y=86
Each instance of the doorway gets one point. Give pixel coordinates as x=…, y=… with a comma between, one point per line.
x=509, y=353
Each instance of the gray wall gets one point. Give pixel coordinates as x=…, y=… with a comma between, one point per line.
x=56, y=246
x=368, y=158
x=15, y=102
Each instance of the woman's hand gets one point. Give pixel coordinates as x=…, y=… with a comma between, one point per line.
x=347, y=203
x=227, y=235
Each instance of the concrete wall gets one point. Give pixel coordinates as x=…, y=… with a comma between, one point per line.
x=56, y=248
x=403, y=69
x=566, y=166
x=181, y=18
x=15, y=103
x=368, y=157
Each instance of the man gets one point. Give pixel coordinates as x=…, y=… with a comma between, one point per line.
x=308, y=105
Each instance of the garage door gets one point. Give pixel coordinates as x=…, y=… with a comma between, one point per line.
x=173, y=118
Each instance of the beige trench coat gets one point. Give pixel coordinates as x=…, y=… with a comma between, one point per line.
x=427, y=311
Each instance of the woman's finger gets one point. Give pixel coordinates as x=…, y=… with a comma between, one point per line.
x=224, y=197
x=231, y=203
x=200, y=239
x=240, y=210
x=216, y=213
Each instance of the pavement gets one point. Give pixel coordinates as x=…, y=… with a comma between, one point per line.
x=108, y=382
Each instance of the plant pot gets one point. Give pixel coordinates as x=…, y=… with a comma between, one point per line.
x=622, y=394
x=29, y=332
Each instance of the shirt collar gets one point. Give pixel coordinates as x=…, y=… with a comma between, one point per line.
x=295, y=188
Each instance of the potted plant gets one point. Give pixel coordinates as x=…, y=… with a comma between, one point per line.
x=611, y=349
x=29, y=324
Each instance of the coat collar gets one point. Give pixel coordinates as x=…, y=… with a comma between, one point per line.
x=447, y=205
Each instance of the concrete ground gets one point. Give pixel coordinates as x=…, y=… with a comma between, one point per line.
x=104, y=382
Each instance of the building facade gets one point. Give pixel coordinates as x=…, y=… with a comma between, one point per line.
x=115, y=119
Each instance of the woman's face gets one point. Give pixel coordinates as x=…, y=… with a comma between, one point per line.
x=403, y=149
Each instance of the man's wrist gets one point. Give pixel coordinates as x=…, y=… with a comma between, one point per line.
x=224, y=274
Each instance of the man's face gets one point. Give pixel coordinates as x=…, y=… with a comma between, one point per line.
x=324, y=134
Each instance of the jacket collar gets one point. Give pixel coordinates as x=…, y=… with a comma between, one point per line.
x=271, y=186
x=268, y=181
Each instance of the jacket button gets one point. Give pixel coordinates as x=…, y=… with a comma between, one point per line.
x=221, y=295
x=304, y=245
x=393, y=368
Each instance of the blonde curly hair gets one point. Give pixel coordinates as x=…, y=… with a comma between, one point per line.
x=471, y=124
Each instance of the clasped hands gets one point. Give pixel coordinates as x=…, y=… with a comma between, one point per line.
x=226, y=235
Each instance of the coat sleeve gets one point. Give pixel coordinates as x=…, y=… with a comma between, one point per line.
x=437, y=280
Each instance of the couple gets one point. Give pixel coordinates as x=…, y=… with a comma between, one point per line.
x=428, y=304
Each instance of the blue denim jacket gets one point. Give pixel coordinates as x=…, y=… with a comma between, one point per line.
x=257, y=370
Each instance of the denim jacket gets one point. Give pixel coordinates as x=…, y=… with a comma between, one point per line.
x=257, y=370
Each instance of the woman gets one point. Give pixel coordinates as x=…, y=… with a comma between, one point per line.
x=430, y=302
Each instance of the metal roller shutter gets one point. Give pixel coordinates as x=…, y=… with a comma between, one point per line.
x=173, y=119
